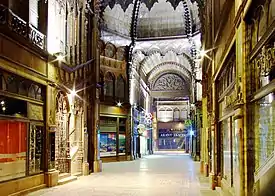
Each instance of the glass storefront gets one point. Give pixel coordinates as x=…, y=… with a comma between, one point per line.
x=122, y=144
x=264, y=129
x=21, y=140
x=13, y=149
x=171, y=140
x=230, y=145
x=235, y=155
x=226, y=149
x=112, y=136
x=107, y=144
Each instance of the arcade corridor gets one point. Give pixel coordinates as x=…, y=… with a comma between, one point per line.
x=160, y=174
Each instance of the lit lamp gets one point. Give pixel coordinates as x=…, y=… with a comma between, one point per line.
x=119, y=104
x=59, y=56
x=73, y=93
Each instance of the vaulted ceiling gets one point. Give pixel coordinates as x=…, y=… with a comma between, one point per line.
x=166, y=38
x=156, y=18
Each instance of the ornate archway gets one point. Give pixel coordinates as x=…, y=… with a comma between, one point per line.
x=62, y=144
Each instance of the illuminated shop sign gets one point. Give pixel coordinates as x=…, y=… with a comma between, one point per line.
x=165, y=135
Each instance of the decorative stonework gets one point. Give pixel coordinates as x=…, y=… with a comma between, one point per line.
x=110, y=50
x=35, y=112
x=169, y=82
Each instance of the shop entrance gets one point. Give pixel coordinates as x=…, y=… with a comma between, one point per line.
x=62, y=135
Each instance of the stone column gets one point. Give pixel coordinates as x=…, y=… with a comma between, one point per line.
x=97, y=163
x=214, y=139
x=238, y=132
x=51, y=174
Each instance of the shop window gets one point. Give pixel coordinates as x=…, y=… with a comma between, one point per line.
x=226, y=130
x=13, y=107
x=122, y=137
x=108, y=136
x=107, y=144
x=120, y=87
x=264, y=129
x=13, y=149
x=109, y=85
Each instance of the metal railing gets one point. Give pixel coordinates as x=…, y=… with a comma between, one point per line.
x=21, y=27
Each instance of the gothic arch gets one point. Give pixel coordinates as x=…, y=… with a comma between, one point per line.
x=61, y=98
x=172, y=67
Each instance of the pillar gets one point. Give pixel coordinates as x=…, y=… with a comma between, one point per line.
x=95, y=164
x=238, y=132
x=51, y=174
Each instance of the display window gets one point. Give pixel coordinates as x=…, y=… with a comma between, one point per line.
x=122, y=144
x=173, y=140
x=226, y=127
x=236, y=155
x=112, y=136
x=13, y=149
x=265, y=129
x=107, y=144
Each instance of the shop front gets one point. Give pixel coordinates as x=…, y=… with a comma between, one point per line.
x=114, y=134
x=228, y=132
x=261, y=90
x=22, y=132
x=172, y=140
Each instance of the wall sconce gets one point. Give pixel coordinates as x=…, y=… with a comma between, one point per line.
x=73, y=93
x=59, y=56
x=119, y=104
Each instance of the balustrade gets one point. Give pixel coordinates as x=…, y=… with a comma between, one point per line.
x=21, y=27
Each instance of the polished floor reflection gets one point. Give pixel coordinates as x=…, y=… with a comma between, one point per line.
x=161, y=174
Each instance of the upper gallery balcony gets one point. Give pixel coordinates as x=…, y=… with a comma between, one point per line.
x=10, y=22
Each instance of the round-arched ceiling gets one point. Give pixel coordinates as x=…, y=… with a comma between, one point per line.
x=156, y=18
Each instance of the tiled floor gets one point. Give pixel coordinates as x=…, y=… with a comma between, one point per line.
x=161, y=174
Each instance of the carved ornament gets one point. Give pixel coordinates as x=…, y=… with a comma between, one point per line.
x=265, y=61
x=35, y=112
x=169, y=82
